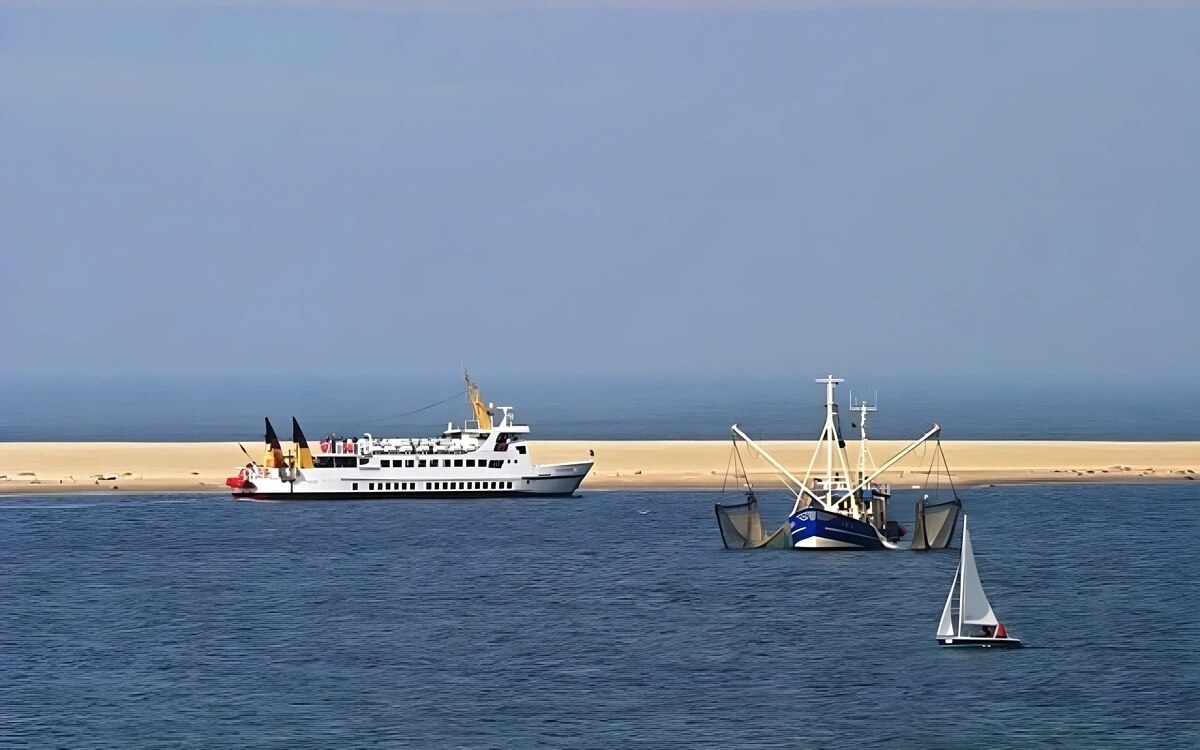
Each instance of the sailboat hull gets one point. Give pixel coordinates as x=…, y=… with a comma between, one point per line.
x=978, y=642
x=814, y=528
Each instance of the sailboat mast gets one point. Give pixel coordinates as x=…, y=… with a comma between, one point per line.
x=966, y=544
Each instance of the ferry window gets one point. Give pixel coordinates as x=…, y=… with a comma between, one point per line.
x=354, y=486
x=409, y=463
x=509, y=486
x=388, y=464
x=520, y=449
x=421, y=463
x=371, y=486
x=345, y=462
x=458, y=463
x=470, y=462
x=493, y=486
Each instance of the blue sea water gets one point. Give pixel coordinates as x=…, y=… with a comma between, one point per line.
x=613, y=619
x=176, y=408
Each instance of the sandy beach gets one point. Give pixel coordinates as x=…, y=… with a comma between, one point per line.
x=633, y=464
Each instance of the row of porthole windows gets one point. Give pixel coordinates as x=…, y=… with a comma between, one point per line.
x=421, y=463
x=411, y=486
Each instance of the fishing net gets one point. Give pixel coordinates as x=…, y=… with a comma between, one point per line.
x=741, y=528
x=935, y=524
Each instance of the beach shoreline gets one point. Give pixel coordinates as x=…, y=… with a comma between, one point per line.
x=78, y=467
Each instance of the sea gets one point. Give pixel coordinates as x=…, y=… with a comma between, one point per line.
x=231, y=407
x=606, y=620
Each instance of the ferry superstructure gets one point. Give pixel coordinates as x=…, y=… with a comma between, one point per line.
x=485, y=457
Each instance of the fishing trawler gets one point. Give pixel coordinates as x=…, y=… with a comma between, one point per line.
x=485, y=457
x=834, y=508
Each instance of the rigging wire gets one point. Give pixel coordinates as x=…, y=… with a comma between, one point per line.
x=415, y=411
x=728, y=463
x=387, y=420
x=949, y=476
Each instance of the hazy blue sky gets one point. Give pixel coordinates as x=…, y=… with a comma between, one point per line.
x=266, y=186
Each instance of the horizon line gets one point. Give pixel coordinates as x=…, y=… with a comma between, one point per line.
x=451, y=7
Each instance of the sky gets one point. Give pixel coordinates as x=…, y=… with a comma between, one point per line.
x=610, y=188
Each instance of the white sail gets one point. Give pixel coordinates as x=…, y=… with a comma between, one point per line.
x=946, y=626
x=973, y=605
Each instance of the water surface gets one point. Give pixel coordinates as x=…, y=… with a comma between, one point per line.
x=607, y=620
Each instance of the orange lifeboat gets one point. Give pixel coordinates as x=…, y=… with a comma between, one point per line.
x=241, y=480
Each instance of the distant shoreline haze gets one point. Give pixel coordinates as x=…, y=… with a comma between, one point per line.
x=209, y=407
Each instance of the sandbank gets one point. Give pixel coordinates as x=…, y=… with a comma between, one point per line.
x=70, y=468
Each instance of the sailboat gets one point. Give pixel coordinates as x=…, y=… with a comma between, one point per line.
x=968, y=619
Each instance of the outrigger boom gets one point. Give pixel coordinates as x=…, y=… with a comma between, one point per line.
x=863, y=484
x=841, y=508
x=778, y=467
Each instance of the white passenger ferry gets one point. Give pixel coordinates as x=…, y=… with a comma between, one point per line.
x=483, y=458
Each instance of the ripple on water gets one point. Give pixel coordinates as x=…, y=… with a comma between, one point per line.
x=201, y=622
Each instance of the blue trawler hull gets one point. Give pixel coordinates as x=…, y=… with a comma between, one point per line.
x=814, y=528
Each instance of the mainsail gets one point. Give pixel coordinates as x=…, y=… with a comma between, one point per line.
x=973, y=606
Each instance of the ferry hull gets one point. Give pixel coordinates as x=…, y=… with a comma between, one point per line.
x=555, y=480
x=448, y=495
x=813, y=528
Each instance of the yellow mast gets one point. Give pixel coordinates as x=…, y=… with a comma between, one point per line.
x=482, y=415
x=304, y=459
x=273, y=457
